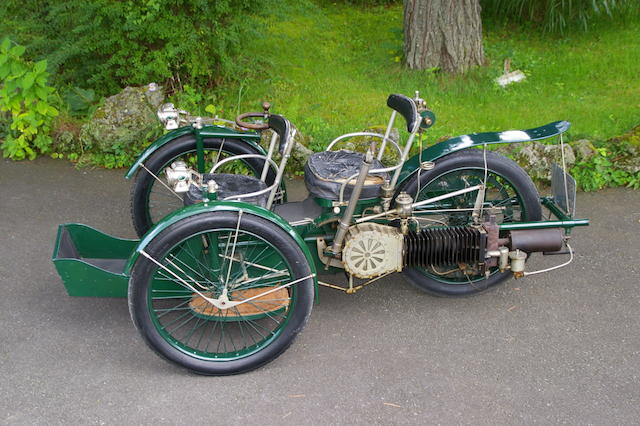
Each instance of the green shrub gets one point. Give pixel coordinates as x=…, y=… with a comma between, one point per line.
x=615, y=162
x=24, y=94
x=65, y=133
x=108, y=44
x=80, y=102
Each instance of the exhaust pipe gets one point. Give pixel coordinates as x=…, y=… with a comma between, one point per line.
x=537, y=240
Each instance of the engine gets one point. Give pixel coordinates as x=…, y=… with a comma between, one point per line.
x=441, y=246
x=372, y=249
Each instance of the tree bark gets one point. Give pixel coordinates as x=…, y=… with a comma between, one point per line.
x=446, y=34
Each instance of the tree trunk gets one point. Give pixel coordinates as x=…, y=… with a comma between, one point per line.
x=446, y=34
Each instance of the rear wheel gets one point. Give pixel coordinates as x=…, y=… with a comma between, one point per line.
x=204, y=256
x=510, y=192
x=151, y=200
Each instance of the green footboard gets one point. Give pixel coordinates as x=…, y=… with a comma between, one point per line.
x=91, y=263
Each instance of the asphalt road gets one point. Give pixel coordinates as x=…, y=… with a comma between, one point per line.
x=562, y=347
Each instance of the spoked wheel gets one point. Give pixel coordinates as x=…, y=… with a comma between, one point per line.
x=263, y=273
x=510, y=194
x=151, y=199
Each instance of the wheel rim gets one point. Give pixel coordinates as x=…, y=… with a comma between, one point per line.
x=160, y=200
x=253, y=266
x=500, y=193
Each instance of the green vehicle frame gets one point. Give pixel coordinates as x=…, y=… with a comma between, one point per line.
x=224, y=283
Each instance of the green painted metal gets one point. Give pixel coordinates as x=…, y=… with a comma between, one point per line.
x=78, y=254
x=553, y=208
x=252, y=139
x=199, y=150
x=218, y=206
x=564, y=221
x=427, y=114
x=458, y=143
x=566, y=224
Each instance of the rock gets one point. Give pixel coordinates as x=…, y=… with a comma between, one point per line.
x=300, y=153
x=507, y=149
x=512, y=77
x=154, y=95
x=632, y=137
x=630, y=163
x=125, y=123
x=583, y=149
x=536, y=159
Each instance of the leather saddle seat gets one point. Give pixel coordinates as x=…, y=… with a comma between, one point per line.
x=326, y=171
x=230, y=185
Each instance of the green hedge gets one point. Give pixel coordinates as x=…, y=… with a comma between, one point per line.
x=109, y=44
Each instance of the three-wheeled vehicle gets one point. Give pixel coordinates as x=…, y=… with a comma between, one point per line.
x=226, y=271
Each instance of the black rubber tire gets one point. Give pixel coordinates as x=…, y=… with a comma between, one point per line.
x=498, y=164
x=143, y=270
x=165, y=155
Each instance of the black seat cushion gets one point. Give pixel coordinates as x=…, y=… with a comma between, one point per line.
x=326, y=171
x=230, y=185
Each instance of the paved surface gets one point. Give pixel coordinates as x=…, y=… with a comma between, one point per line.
x=558, y=348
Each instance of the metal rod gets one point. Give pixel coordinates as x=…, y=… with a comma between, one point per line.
x=477, y=207
x=345, y=222
x=445, y=196
x=405, y=154
x=429, y=211
x=283, y=163
x=386, y=134
x=272, y=145
x=421, y=203
x=543, y=225
x=160, y=180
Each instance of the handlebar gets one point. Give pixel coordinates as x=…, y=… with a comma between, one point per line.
x=255, y=126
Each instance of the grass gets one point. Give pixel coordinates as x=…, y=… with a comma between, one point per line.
x=330, y=69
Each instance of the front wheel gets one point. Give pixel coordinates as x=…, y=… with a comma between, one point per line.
x=245, y=257
x=510, y=194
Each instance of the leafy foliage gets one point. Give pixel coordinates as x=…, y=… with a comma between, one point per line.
x=80, y=102
x=599, y=172
x=108, y=44
x=28, y=99
x=614, y=163
x=556, y=16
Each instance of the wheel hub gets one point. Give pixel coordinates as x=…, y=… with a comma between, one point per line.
x=261, y=306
